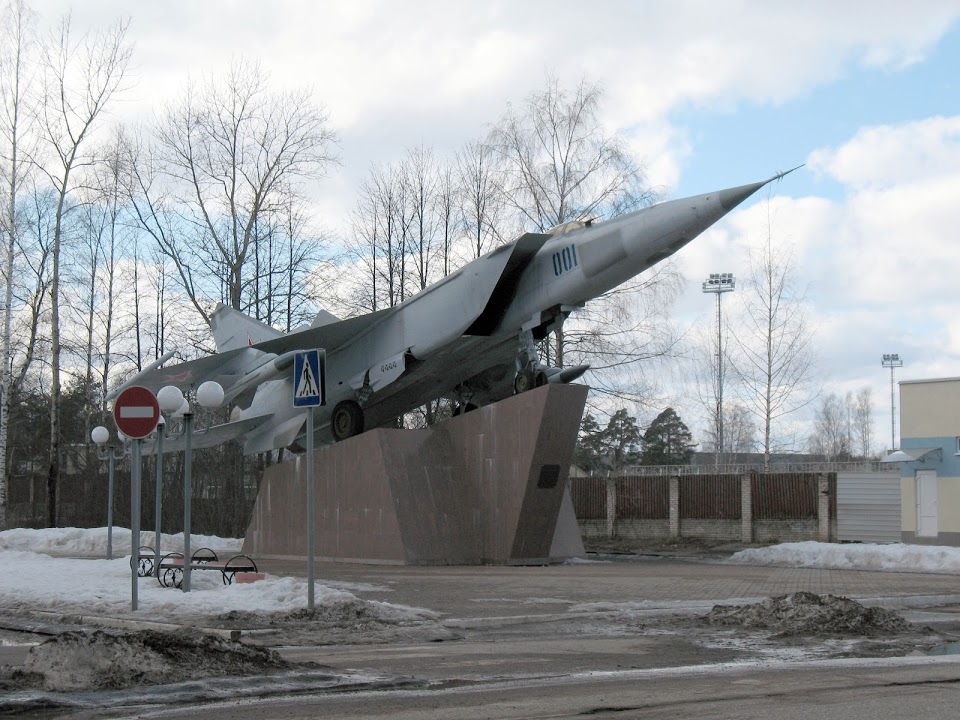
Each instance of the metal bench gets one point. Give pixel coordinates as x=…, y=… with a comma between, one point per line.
x=171, y=567
x=147, y=557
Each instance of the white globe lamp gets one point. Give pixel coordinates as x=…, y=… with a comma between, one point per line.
x=170, y=399
x=210, y=394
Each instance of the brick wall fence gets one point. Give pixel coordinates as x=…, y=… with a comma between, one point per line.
x=748, y=508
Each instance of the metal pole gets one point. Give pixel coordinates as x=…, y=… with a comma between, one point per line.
x=719, y=384
x=110, y=460
x=134, y=522
x=310, y=511
x=187, y=495
x=158, y=501
x=893, y=412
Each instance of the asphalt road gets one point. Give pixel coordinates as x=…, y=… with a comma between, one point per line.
x=592, y=640
x=838, y=690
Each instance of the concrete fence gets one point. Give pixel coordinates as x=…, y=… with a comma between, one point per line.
x=747, y=508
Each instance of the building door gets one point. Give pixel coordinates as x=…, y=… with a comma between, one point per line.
x=927, y=503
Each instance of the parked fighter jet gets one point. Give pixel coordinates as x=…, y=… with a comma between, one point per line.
x=471, y=336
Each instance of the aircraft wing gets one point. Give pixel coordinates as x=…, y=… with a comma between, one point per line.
x=226, y=368
x=329, y=337
x=210, y=437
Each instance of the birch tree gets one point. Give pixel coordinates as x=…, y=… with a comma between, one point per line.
x=80, y=80
x=773, y=354
x=558, y=164
x=863, y=421
x=228, y=153
x=17, y=47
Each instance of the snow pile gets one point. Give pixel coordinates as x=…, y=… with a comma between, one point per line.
x=89, y=586
x=805, y=613
x=334, y=612
x=867, y=556
x=93, y=541
x=80, y=661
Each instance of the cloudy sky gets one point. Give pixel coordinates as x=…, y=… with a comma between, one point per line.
x=711, y=94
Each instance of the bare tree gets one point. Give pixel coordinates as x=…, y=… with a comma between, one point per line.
x=830, y=436
x=863, y=421
x=420, y=174
x=773, y=356
x=622, y=334
x=559, y=165
x=79, y=81
x=35, y=246
x=16, y=47
x=230, y=152
x=481, y=197
x=449, y=222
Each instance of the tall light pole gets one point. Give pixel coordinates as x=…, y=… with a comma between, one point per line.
x=719, y=283
x=892, y=360
x=208, y=395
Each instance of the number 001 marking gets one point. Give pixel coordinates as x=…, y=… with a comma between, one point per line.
x=564, y=260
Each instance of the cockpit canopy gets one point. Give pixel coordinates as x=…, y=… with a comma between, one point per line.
x=571, y=225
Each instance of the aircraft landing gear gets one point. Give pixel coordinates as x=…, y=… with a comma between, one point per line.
x=346, y=420
x=530, y=372
x=529, y=379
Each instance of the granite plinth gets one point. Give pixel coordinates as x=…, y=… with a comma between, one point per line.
x=487, y=487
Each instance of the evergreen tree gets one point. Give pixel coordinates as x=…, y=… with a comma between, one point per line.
x=588, y=455
x=610, y=448
x=667, y=441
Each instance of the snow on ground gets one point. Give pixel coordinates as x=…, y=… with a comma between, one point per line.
x=866, y=556
x=93, y=541
x=32, y=578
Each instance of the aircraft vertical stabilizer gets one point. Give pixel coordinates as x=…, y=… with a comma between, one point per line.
x=232, y=329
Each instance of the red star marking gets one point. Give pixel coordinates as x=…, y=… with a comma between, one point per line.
x=181, y=377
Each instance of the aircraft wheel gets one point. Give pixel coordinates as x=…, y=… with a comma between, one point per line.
x=540, y=378
x=523, y=381
x=346, y=420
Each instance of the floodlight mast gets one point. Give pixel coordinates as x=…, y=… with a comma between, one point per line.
x=892, y=360
x=719, y=283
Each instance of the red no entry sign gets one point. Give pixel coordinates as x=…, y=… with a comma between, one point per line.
x=136, y=412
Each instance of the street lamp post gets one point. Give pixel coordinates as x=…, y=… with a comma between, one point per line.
x=100, y=436
x=208, y=395
x=719, y=283
x=892, y=360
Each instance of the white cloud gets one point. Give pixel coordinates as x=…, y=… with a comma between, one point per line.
x=887, y=155
x=459, y=63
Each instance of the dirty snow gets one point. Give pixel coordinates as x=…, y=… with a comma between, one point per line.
x=805, y=613
x=99, y=660
x=855, y=556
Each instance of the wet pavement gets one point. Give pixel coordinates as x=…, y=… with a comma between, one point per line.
x=534, y=624
x=480, y=592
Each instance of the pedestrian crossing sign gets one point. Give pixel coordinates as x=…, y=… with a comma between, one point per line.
x=309, y=379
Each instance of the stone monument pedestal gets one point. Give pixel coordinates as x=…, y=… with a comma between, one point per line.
x=487, y=487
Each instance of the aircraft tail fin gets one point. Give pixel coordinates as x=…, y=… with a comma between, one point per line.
x=232, y=329
x=324, y=318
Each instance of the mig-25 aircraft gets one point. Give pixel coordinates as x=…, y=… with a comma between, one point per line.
x=470, y=336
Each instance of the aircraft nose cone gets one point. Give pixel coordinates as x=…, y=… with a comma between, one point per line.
x=732, y=197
